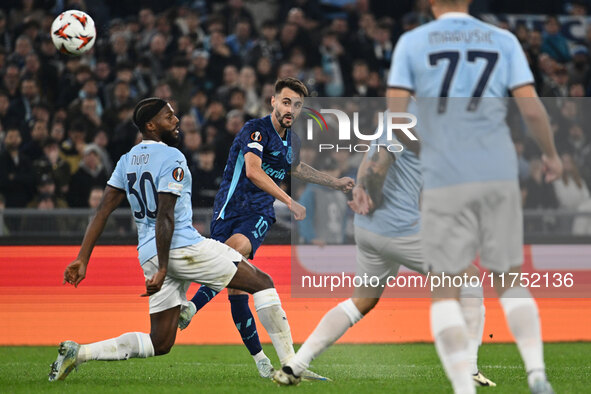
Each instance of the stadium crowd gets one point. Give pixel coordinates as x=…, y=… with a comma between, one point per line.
x=65, y=121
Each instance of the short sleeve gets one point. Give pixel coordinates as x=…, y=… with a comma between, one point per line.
x=519, y=72
x=252, y=139
x=174, y=173
x=400, y=75
x=117, y=179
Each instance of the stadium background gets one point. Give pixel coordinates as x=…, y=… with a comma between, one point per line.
x=216, y=62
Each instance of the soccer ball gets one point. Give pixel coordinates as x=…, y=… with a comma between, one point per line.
x=73, y=32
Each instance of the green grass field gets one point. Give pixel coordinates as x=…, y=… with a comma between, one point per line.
x=410, y=368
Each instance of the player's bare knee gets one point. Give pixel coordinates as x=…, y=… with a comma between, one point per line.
x=162, y=347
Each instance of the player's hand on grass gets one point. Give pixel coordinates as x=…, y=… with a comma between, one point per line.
x=344, y=184
x=154, y=284
x=298, y=210
x=75, y=272
x=552, y=167
x=361, y=203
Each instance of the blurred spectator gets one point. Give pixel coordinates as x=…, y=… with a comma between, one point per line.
x=223, y=141
x=230, y=81
x=557, y=84
x=53, y=165
x=17, y=178
x=266, y=46
x=192, y=140
x=21, y=108
x=34, y=148
x=4, y=106
x=90, y=173
x=45, y=200
x=46, y=197
x=247, y=81
x=207, y=177
x=359, y=86
x=537, y=193
x=72, y=147
x=5, y=36
x=382, y=46
x=124, y=136
x=554, y=43
x=220, y=56
x=200, y=74
x=241, y=42
x=22, y=47
x=235, y=11
x=578, y=69
x=72, y=82
x=3, y=229
x=180, y=85
x=571, y=190
x=11, y=80
x=101, y=140
x=333, y=64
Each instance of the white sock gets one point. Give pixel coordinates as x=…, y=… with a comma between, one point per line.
x=332, y=326
x=128, y=345
x=272, y=316
x=451, y=341
x=522, y=316
x=259, y=356
x=471, y=302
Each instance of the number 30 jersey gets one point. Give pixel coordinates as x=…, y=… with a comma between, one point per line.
x=457, y=56
x=147, y=169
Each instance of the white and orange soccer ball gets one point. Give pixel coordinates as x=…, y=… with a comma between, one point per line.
x=73, y=32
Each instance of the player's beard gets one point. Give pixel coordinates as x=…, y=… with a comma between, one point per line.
x=280, y=119
x=170, y=138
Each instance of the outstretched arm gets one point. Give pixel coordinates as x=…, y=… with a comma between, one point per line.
x=309, y=174
x=256, y=175
x=76, y=270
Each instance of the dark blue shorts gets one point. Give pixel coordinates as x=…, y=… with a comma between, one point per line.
x=253, y=227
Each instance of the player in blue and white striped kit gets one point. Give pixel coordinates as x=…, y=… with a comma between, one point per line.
x=157, y=183
x=471, y=199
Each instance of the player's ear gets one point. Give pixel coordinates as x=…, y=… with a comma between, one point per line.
x=150, y=126
x=273, y=101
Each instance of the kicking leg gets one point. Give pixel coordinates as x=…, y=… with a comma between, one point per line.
x=449, y=331
x=333, y=325
x=523, y=319
x=472, y=305
x=126, y=346
x=205, y=294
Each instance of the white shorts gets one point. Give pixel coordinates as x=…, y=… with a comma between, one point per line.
x=209, y=262
x=460, y=221
x=382, y=256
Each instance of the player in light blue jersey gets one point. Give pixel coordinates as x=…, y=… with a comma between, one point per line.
x=155, y=178
x=387, y=225
x=471, y=200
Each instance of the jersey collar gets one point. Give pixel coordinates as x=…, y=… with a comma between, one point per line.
x=276, y=132
x=455, y=15
x=150, y=142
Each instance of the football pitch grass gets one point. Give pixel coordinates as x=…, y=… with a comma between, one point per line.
x=407, y=368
